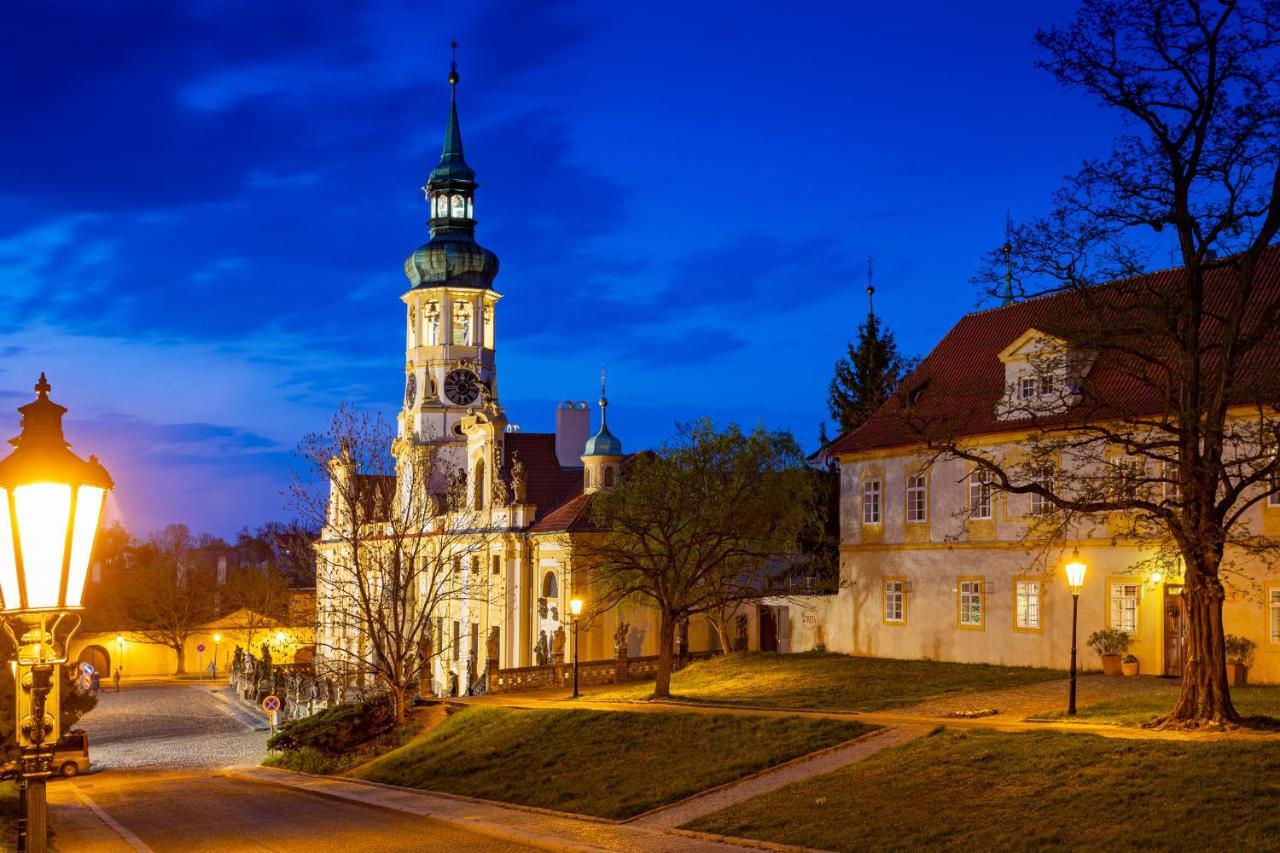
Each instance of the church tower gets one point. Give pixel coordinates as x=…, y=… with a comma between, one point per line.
x=450, y=367
x=602, y=456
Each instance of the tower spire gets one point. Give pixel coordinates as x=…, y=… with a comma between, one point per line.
x=1006, y=293
x=604, y=401
x=871, y=288
x=453, y=131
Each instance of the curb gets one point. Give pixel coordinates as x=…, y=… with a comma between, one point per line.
x=738, y=841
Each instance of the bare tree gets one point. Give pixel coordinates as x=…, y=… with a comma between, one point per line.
x=399, y=551
x=167, y=596
x=262, y=592
x=699, y=526
x=1163, y=424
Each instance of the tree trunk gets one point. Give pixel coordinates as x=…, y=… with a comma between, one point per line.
x=1206, y=697
x=179, y=648
x=399, y=696
x=666, y=636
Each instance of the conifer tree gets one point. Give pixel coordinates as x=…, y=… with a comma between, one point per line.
x=867, y=375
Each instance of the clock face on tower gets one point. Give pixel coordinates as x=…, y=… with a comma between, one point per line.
x=410, y=390
x=462, y=387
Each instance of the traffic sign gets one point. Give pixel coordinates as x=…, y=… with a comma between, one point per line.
x=271, y=704
x=200, y=647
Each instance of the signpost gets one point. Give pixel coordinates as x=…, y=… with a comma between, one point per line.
x=272, y=706
x=200, y=649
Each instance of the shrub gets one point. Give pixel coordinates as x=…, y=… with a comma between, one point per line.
x=1130, y=658
x=1239, y=649
x=820, y=648
x=337, y=731
x=1109, y=641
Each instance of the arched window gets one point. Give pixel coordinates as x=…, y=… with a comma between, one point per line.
x=461, y=322
x=458, y=208
x=608, y=478
x=479, y=485
x=549, y=588
x=469, y=215
x=442, y=205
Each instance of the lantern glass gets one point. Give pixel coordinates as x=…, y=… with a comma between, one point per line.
x=44, y=511
x=88, y=510
x=1075, y=573
x=8, y=561
x=575, y=606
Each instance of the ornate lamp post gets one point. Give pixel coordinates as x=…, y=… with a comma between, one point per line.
x=575, y=608
x=1075, y=579
x=120, y=654
x=50, y=504
x=217, y=639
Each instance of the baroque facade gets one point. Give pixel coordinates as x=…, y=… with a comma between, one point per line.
x=524, y=497
x=938, y=563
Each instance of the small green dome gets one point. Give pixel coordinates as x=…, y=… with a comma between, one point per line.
x=603, y=443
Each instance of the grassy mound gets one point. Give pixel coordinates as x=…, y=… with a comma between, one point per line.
x=822, y=681
x=985, y=790
x=337, y=738
x=609, y=764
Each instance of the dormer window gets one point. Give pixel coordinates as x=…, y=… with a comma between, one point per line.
x=1028, y=387
x=1041, y=376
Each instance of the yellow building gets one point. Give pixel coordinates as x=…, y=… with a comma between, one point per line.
x=525, y=496
x=938, y=563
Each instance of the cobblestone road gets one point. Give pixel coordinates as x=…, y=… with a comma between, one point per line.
x=168, y=725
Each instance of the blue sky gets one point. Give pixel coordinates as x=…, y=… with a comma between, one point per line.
x=205, y=208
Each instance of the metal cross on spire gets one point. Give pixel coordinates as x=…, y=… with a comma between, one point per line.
x=453, y=63
x=1006, y=293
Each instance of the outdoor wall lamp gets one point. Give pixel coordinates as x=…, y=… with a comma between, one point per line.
x=50, y=505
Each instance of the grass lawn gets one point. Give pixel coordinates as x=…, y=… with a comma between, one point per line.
x=9, y=813
x=984, y=790
x=609, y=764
x=829, y=681
x=1262, y=703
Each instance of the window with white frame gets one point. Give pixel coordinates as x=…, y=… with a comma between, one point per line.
x=1026, y=604
x=1124, y=607
x=971, y=603
x=1046, y=385
x=917, y=498
x=895, y=603
x=1170, y=484
x=1027, y=388
x=1127, y=473
x=980, y=491
x=1041, y=505
x=1273, y=604
x=871, y=502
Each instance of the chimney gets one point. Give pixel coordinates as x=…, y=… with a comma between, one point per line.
x=573, y=425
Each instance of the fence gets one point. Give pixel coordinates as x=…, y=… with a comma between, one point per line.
x=560, y=674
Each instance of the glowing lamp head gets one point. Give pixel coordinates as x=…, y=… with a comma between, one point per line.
x=1075, y=572
x=50, y=504
x=280, y=637
x=217, y=638
x=575, y=606
x=120, y=639
x=1157, y=576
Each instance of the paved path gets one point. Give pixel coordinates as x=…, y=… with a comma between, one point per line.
x=537, y=827
x=766, y=781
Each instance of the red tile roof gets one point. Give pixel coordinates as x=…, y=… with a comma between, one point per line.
x=572, y=516
x=547, y=484
x=955, y=390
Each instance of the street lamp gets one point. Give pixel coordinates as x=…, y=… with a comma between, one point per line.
x=217, y=638
x=575, y=608
x=1075, y=579
x=50, y=504
x=119, y=658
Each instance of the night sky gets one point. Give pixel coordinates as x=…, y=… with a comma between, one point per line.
x=205, y=208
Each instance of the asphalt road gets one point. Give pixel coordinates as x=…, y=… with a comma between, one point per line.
x=156, y=785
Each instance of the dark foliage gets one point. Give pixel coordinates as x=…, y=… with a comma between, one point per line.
x=337, y=731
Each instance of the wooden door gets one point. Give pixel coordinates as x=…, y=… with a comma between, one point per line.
x=1175, y=630
x=768, y=629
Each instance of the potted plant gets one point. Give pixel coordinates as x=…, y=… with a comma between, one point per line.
x=1110, y=644
x=1129, y=665
x=1239, y=655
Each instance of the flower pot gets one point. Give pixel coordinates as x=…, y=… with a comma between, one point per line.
x=1111, y=664
x=1237, y=674
x=1129, y=668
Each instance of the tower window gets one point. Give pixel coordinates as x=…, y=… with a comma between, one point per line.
x=608, y=478
x=433, y=324
x=461, y=323
x=441, y=206
x=479, y=485
x=458, y=207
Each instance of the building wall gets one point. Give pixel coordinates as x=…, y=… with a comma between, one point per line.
x=139, y=658
x=933, y=557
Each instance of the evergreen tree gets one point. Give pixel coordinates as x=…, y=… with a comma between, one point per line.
x=866, y=377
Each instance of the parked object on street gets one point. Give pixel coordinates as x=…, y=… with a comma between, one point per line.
x=70, y=757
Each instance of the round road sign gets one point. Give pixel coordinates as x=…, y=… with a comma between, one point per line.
x=271, y=704
x=200, y=647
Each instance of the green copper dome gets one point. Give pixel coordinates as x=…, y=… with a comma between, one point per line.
x=451, y=260
x=603, y=443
